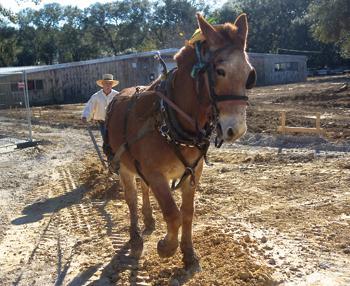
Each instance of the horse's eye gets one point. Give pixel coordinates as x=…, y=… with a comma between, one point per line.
x=220, y=72
x=251, y=79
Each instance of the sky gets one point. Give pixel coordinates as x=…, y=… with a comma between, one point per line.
x=15, y=5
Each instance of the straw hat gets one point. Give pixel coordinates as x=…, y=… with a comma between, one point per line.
x=107, y=78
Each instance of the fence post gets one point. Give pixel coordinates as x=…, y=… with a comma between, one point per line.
x=26, y=102
x=318, y=123
x=283, y=121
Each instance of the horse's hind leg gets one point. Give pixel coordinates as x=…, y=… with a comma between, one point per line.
x=146, y=208
x=190, y=258
x=130, y=190
x=167, y=246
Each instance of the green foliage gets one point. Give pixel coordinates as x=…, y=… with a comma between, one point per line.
x=8, y=46
x=330, y=22
x=60, y=34
x=276, y=25
x=272, y=23
x=173, y=22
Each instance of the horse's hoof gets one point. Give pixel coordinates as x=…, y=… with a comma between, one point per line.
x=136, y=246
x=136, y=253
x=191, y=262
x=150, y=225
x=165, y=249
x=193, y=268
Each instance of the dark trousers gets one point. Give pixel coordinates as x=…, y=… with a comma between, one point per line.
x=102, y=127
x=106, y=148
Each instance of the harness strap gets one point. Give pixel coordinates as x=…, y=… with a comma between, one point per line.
x=170, y=112
x=174, y=106
x=231, y=97
x=147, y=127
x=127, y=144
x=189, y=170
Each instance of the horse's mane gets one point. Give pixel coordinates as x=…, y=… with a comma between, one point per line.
x=229, y=33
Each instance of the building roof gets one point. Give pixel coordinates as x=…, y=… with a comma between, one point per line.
x=31, y=69
x=12, y=70
x=166, y=52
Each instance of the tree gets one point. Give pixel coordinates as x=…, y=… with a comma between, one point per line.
x=330, y=23
x=119, y=26
x=5, y=15
x=174, y=21
x=99, y=24
x=273, y=24
x=8, y=46
x=26, y=35
x=276, y=25
x=74, y=42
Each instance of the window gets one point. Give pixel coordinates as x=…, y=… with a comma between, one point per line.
x=39, y=84
x=30, y=84
x=288, y=66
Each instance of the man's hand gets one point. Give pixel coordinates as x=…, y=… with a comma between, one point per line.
x=83, y=119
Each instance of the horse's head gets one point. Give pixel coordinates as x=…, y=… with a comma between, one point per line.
x=229, y=74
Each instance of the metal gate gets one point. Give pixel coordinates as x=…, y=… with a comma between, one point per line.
x=15, y=108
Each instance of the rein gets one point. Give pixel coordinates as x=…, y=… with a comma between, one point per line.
x=178, y=109
x=169, y=126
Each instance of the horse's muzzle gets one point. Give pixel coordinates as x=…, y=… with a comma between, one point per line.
x=229, y=133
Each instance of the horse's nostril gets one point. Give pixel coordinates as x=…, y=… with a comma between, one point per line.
x=229, y=132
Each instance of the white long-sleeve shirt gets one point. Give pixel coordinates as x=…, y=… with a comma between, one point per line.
x=95, y=108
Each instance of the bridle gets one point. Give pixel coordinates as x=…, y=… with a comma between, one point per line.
x=166, y=120
x=169, y=127
x=206, y=64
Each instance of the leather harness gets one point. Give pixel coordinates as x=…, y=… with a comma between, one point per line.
x=165, y=118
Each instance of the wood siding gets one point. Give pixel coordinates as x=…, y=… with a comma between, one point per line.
x=76, y=82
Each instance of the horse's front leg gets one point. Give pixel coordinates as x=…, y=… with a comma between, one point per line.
x=130, y=190
x=148, y=219
x=190, y=258
x=167, y=246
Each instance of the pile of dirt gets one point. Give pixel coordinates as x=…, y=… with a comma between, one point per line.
x=224, y=261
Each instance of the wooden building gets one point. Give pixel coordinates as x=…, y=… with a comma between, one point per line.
x=76, y=82
x=279, y=69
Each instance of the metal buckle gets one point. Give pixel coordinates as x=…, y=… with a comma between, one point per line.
x=218, y=143
x=191, y=172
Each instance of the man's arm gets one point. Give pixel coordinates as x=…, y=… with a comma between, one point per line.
x=88, y=111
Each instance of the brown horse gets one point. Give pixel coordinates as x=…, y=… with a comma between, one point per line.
x=162, y=133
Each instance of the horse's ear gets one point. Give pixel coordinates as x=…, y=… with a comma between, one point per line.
x=208, y=31
x=242, y=25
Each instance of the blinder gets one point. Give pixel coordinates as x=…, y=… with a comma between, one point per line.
x=251, y=81
x=205, y=64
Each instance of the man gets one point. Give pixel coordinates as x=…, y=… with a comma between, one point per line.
x=95, y=108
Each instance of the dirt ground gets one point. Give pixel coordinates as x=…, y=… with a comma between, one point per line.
x=273, y=209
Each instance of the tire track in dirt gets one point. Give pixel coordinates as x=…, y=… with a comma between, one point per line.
x=100, y=253
x=38, y=224
x=36, y=241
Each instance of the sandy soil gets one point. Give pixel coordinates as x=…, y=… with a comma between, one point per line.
x=272, y=210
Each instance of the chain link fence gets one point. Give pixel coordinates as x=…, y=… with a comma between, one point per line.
x=15, y=108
